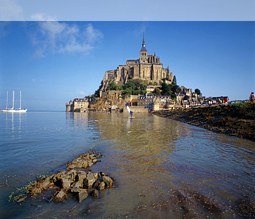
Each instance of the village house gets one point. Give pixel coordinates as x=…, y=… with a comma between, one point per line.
x=77, y=105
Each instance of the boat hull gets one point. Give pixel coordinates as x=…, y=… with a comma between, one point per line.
x=14, y=110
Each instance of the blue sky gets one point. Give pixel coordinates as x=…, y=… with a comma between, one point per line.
x=53, y=62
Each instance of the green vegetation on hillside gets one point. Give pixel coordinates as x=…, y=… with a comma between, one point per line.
x=136, y=87
x=114, y=86
x=169, y=89
x=132, y=87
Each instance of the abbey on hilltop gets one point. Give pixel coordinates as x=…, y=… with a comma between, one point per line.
x=143, y=84
x=147, y=68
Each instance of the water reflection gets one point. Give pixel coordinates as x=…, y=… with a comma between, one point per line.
x=37, y=143
x=137, y=157
x=189, y=170
x=162, y=168
x=13, y=121
x=77, y=119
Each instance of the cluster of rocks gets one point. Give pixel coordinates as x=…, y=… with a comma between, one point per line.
x=84, y=160
x=77, y=180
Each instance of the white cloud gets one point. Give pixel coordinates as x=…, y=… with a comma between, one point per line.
x=62, y=37
x=92, y=34
x=9, y=10
x=76, y=47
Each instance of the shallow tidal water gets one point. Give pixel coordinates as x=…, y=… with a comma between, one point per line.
x=162, y=168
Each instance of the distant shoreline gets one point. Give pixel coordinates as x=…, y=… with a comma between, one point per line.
x=234, y=120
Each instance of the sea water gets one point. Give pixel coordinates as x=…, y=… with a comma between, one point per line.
x=162, y=168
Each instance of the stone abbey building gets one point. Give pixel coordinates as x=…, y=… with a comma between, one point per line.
x=147, y=68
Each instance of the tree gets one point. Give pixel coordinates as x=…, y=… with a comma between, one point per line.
x=134, y=87
x=166, y=89
x=197, y=91
x=174, y=81
x=114, y=86
x=157, y=91
x=175, y=88
x=127, y=91
x=178, y=90
x=130, y=84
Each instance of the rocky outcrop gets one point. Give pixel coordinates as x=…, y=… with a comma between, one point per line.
x=78, y=180
x=236, y=119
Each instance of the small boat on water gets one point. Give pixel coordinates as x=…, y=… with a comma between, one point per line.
x=13, y=110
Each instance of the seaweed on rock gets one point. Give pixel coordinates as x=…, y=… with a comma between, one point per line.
x=77, y=179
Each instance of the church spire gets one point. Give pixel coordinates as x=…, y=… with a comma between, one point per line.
x=143, y=45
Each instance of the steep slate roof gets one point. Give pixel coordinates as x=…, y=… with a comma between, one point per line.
x=143, y=45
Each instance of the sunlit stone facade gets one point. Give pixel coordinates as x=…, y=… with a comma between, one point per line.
x=147, y=68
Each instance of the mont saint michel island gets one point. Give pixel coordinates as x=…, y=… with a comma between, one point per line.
x=145, y=85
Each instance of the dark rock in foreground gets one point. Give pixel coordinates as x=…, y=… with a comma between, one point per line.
x=76, y=180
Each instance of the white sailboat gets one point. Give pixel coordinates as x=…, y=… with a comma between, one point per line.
x=13, y=110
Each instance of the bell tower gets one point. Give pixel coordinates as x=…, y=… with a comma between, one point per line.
x=143, y=53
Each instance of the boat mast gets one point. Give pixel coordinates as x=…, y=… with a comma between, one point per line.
x=7, y=101
x=13, y=99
